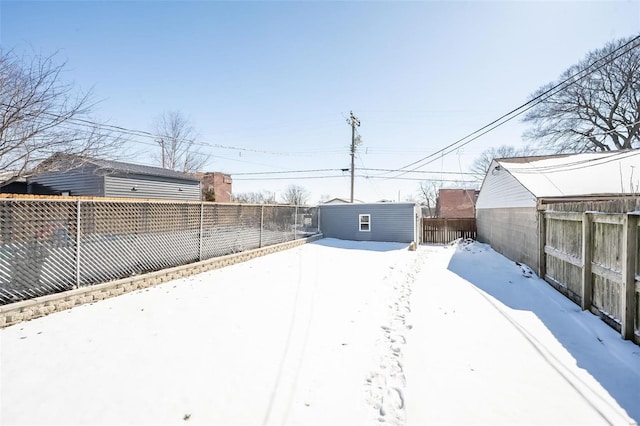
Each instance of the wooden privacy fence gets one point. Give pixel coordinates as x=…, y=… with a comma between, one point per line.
x=444, y=230
x=592, y=258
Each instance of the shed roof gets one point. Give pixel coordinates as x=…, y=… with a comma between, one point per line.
x=600, y=173
x=10, y=176
x=361, y=204
x=111, y=166
x=340, y=201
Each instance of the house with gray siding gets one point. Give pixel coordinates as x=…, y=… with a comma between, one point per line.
x=515, y=190
x=65, y=174
x=388, y=222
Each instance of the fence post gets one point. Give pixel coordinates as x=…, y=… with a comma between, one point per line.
x=201, y=231
x=445, y=232
x=78, y=231
x=295, y=223
x=261, y=224
x=542, y=241
x=628, y=293
x=587, y=257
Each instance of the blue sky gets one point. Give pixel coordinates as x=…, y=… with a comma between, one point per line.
x=276, y=80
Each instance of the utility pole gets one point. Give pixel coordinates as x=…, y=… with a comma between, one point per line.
x=161, y=142
x=353, y=122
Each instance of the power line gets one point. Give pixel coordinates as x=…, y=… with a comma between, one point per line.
x=346, y=170
x=580, y=164
x=291, y=177
x=288, y=171
x=154, y=137
x=354, y=122
x=299, y=178
x=374, y=187
x=522, y=108
x=414, y=179
x=422, y=171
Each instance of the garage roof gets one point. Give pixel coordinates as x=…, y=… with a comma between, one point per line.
x=615, y=172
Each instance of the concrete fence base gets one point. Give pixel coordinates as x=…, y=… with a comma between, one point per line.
x=40, y=306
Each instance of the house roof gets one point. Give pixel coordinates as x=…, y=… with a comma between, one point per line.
x=8, y=177
x=361, y=204
x=601, y=173
x=201, y=175
x=107, y=166
x=340, y=201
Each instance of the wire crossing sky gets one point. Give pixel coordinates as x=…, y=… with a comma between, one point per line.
x=269, y=85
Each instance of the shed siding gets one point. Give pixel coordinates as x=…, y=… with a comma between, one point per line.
x=512, y=232
x=501, y=190
x=151, y=187
x=78, y=184
x=390, y=222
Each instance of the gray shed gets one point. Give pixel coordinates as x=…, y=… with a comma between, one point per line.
x=81, y=176
x=388, y=222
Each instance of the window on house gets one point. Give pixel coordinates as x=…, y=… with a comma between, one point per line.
x=365, y=222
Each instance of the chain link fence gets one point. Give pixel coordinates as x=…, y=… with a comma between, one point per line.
x=49, y=246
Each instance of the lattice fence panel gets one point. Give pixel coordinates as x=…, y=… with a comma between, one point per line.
x=42, y=252
x=37, y=248
x=134, y=238
x=229, y=228
x=306, y=222
x=279, y=224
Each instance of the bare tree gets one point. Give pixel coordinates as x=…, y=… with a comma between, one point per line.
x=295, y=195
x=429, y=190
x=481, y=164
x=176, y=138
x=428, y=195
x=264, y=197
x=40, y=115
x=599, y=110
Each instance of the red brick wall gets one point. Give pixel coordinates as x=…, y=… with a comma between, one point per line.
x=456, y=203
x=220, y=183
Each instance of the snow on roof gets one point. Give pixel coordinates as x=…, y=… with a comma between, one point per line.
x=615, y=172
x=340, y=201
x=73, y=160
x=5, y=176
x=8, y=177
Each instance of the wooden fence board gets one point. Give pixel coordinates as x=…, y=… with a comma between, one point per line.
x=444, y=230
x=587, y=261
x=596, y=262
x=628, y=300
x=565, y=257
x=609, y=218
x=565, y=216
x=606, y=273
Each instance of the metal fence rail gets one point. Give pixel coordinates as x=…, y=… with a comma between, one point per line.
x=49, y=246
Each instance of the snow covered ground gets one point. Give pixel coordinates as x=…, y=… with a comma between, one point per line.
x=333, y=332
